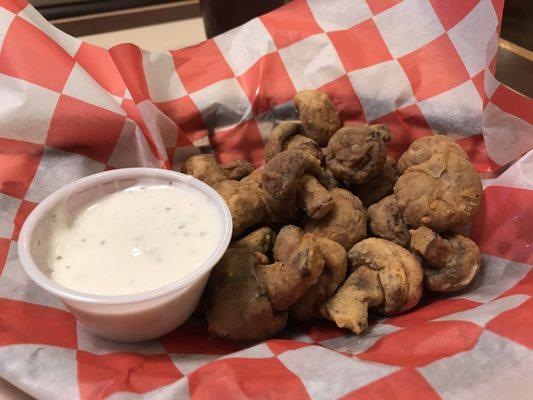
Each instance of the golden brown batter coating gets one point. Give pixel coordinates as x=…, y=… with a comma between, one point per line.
x=313, y=197
x=305, y=144
x=205, y=168
x=246, y=297
x=356, y=154
x=379, y=187
x=236, y=303
x=261, y=240
x=245, y=204
x=238, y=169
x=430, y=246
x=298, y=265
x=328, y=180
x=423, y=148
x=348, y=308
x=286, y=241
x=345, y=223
x=384, y=276
x=287, y=136
x=318, y=115
x=386, y=221
x=452, y=260
x=442, y=193
x=333, y=275
x=255, y=178
x=282, y=183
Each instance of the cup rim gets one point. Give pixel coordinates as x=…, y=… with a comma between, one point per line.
x=35, y=217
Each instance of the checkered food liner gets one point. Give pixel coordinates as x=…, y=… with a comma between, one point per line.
x=69, y=109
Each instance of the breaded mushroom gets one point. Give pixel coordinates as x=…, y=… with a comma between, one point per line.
x=247, y=297
x=238, y=169
x=452, y=261
x=328, y=180
x=423, y=148
x=205, y=168
x=386, y=221
x=313, y=197
x=289, y=184
x=345, y=223
x=333, y=273
x=430, y=246
x=318, y=115
x=261, y=240
x=292, y=273
x=379, y=187
x=384, y=276
x=254, y=178
x=442, y=192
x=236, y=303
x=244, y=202
x=356, y=154
x=287, y=136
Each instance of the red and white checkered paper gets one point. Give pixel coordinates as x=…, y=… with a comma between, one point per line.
x=69, y=109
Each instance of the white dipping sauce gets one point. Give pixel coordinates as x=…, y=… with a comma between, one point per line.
x=131, y=241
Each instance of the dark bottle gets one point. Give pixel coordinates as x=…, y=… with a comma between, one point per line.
x=222, y=15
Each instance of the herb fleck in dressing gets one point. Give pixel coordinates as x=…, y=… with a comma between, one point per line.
x=131, y=241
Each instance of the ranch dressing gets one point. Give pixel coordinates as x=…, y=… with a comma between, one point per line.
x=131, y=241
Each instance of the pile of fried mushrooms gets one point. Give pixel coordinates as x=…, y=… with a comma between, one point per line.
x=331, y=227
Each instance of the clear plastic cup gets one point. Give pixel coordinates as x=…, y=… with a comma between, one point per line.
x=132, y=317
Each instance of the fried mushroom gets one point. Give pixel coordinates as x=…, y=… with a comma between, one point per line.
x=328, y=180
x=293, y=272
x=442, y=193
x=452, y=260
x=424, y=148
x=356, y=154
x=261, y=240
x=384, y=276
x=348, y=308
x=238, y=169
x=386, y=221
x=286, y=241
x=271, y=219
x=305, y=144
x=379, y=187
x=345, y=223
x=254, y=178
x=313, y=197
x=244, y=202
x=430, y=246
x=236, y=303
x=289, y=185
x=287, y=136
x=205, y=168
x=333, y=273
x=318, y=115
x=247, y=298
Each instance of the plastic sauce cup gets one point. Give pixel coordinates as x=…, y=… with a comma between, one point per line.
x=132, y=317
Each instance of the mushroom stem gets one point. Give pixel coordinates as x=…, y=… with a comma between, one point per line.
x=288, y=279
x=430, y=246
x=314, y=198
x=349, y=306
